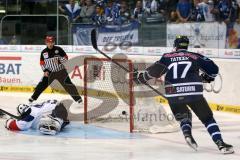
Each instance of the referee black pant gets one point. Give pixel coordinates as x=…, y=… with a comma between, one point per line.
x=64, y=80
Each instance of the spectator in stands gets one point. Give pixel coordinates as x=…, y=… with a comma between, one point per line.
x=100, y=3
x=147, y=6
x=150, y=6
x=171, y=10
x=99, y=17
x=112, y=12
x=162, y=7
x=184, y=10
x=197, y=12
x=82, y=3
x=71, y=9
x=14, y=40
x=238, y=3
x=235, y=11
x=154, y=6
x=215, y=11
x=125, y=14
x=238, y=16
x=87, y=12
x=138, y=11
x=207, y=6
x=225, y=10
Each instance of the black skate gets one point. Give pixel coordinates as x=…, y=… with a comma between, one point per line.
x=224, y=148
x=191, y=142
x=30, y=100
x=79, y=101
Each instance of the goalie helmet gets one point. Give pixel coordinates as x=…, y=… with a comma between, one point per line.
x=181, y=42
x=22, y=108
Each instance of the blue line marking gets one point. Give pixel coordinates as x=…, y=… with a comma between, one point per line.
x=82, y=131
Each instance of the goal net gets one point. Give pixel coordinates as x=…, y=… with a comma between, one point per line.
x=110, y=99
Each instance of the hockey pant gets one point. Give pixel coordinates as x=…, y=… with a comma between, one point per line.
x=203, y=112
x=199, y=107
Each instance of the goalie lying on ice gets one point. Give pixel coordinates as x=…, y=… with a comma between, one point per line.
x=49, y=117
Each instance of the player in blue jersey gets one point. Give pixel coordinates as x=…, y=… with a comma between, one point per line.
x=184, y=88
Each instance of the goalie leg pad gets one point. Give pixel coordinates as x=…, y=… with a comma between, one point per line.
x=49, y=125
x=60, y=112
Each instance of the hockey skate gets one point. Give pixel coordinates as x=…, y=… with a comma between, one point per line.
x=191, y=142
x=224, y=148
x=77, y=106
x=30, y=100
x=79, y=101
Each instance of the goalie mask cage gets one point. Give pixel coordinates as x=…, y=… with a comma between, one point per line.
x=109, y=97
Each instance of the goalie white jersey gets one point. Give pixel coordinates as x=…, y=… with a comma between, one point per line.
x=32, y=120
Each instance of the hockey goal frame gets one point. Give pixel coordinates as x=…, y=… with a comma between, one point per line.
x=130, y=80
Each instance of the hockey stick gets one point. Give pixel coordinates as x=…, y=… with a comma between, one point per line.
x=10, y=114
x=95, y=46
x=14, y=116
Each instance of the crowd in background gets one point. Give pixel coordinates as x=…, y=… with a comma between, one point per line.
x=119, y=11
x=99, y=12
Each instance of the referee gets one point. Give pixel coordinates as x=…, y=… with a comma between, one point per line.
x=51, y=61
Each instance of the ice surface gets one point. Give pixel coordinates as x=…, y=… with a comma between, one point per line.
x=89, y=142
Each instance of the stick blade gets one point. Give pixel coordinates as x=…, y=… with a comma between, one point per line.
x=94, y=38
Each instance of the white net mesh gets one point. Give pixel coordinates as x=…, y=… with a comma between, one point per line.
x=151, y=116
x=109, y=99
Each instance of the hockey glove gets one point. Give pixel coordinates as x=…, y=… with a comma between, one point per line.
x=135, y=77
x=140, y=77
x=206, y=78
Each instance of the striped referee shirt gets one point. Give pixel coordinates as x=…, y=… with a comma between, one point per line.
x=52, y=59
